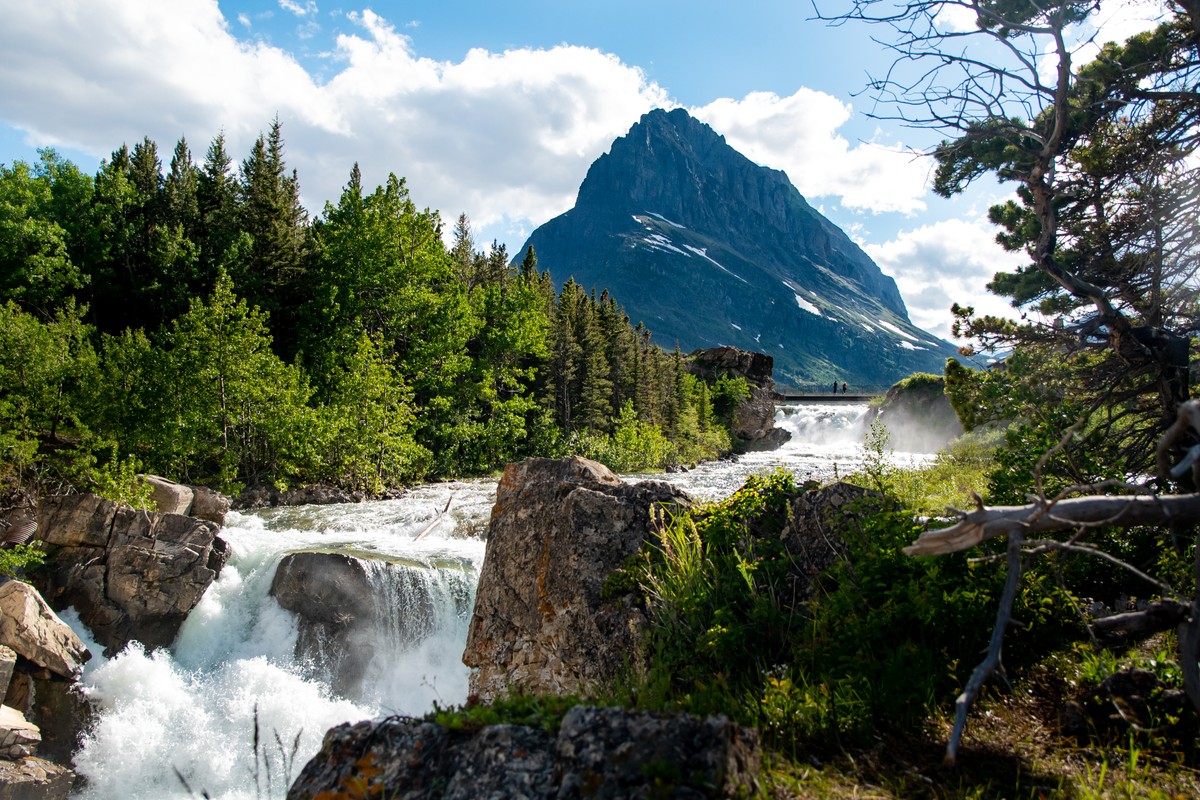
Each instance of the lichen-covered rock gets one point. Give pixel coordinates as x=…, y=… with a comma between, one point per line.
x=131, y=574
x=557, y=530
x=812, y=535
x=596, y=753
x=34, y=779
x=32, y=630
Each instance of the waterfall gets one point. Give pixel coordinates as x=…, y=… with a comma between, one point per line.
x=420, y=624
x=193, y=710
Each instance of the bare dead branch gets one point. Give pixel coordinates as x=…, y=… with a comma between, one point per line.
x=1123, y=511
x=1159, y=616
x=989, y=666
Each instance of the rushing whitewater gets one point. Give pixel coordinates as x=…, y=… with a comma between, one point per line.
x=180, y=723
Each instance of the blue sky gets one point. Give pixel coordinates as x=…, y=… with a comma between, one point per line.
x=496, y=109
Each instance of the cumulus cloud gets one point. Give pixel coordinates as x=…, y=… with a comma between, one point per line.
x=943, y=263
x=506, y=137
x=799, y=134
x=305, y=9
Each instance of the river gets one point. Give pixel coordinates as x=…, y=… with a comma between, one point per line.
x=181, y=723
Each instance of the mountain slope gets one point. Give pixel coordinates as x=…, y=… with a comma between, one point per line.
x=708, y=248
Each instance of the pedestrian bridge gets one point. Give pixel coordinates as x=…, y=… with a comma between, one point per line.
x=826, y=397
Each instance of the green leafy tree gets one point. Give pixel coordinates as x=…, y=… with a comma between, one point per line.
x=36, y=267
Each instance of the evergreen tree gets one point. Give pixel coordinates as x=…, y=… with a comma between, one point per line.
x=271, y=273
x=217, y=206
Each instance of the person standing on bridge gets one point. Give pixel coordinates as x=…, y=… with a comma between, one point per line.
x=835, y=386
x=843, y=387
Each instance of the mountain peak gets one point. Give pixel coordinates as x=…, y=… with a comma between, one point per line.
x=708, y=248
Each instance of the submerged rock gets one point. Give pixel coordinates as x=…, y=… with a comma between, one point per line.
x=350, y=609
x=557, y=530
x=597, y=753
x=331, y=597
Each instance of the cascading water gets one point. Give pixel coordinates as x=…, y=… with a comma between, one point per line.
x=179, y=723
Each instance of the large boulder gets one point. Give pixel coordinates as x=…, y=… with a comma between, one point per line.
x=754, y=419
x=33, y=631
x=332, y=599
x=604, y=753
x=131, y=574
x=557, y=530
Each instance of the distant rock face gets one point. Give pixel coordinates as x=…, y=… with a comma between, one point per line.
x=130, y=574
x=602, y=753
x=557, y=530
x=917, y=415
x=708, y=249
x=753, y=420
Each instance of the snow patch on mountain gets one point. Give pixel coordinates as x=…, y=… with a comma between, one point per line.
x=669, y=222
x=885, y=324
x=703, y=253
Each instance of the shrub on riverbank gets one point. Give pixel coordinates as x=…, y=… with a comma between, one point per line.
x=862, y=670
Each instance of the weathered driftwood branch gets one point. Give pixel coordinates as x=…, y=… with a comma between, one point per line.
x=1124, y=511
x=991, y=663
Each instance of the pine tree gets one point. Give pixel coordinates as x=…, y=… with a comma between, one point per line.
x=271, y=273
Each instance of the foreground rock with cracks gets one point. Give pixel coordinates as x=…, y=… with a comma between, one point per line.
x=131, y=574
x=40, y=657
x=558, y=529
x=596, y=753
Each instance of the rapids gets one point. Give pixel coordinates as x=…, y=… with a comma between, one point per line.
x=185, y=722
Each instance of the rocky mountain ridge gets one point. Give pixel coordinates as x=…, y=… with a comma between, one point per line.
x=709, y=249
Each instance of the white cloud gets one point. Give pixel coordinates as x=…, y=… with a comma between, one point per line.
x=943, y=263
x=308, y=8
x=798, y=134
x=498, y=135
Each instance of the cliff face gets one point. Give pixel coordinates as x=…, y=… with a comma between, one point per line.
x=709, y=249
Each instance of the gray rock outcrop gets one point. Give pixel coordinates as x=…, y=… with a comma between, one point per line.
x=34, y=779
x=557, y=530
x=604, y=753
x=18, y=738
x=33, y=631
x=754, y=418
x=131, y=574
